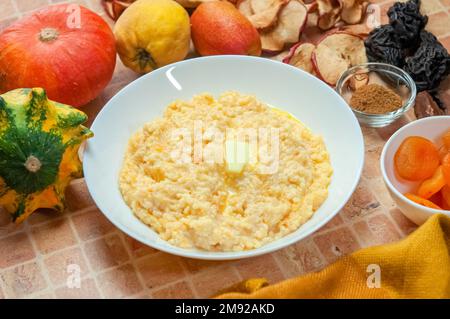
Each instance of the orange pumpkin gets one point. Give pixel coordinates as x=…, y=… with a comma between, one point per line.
x=66, y=49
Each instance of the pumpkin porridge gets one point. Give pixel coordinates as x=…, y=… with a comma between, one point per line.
x=215, y=205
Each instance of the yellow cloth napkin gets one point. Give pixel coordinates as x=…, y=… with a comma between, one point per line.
x=416, y=267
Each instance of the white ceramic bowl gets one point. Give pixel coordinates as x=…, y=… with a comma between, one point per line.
x=275, y=83
x=432, y=128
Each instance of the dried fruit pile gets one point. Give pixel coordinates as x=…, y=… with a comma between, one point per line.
x=405, y=43
x=330, y=12
x=330, y=57
x=419, y=160
x=278, y=22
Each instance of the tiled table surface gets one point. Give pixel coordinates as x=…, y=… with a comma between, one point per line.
x=34, y=256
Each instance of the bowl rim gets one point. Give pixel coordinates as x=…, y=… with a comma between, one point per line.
x=231, y=255
x=409, y=81
x=383, y=166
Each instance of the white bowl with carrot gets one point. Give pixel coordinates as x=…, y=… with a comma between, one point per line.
x=415, y=164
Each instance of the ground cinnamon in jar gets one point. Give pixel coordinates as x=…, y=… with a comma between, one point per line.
x=375, y=99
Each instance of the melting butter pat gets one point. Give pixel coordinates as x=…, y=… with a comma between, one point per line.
x=236, y=156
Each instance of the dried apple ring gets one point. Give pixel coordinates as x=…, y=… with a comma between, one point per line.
x=416, y=159
x=433, y=185
x=422, y=201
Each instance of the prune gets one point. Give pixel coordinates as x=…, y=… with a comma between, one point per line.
x=404, y=43
x=407, y=22
x=381, y=46
x=430, y=64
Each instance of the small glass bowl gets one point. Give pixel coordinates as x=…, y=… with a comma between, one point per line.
x=397, y=79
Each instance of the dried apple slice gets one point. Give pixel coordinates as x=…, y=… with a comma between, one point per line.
x=358, y=80
x=291, y=21
x=263, y=5
x=300, y=56
x=262, y=14
x=119, y=7
x=335, y=53
x=265, y=12
x=312, y=7
x=352, y=11
x=245, y=8
x=269, y=44
x=108, y=7
x=329, y=13
x=361, y=30
x=114, y=8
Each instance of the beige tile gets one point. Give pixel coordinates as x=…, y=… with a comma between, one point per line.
x=6, y=9
x=336, y=243
x=386, y=132
x=446, y=42
x=300, y=258
x=106, y=252
x=260, y=267
x=44, y=215
x=87, y=290
x=57, y=265
x=142, y=295
x=92, y=224
x=209, y=283
x=2, y=295
x=7, y=226
x=445, y=3
x=429, y=7
x=361, y=203
x=44, y=295
x=95, y=6
x=439, y=24
x=383, y=229
x=333, y=223
x=371, y=137
x=119, y=282
x=366, y=237
x=137, y=248
x=159, y=269
x=406, y=226
x=84, y=3
x=381, y=193
x=29, y=5
x=15, y=249
x=78, y=196
x=22, y=280
x=372, y=163
x=54, y=236
x=195, y=266
x=178, y=290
